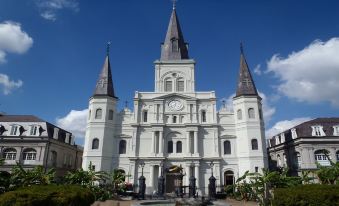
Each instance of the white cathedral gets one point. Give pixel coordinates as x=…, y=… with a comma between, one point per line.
x=174, y=125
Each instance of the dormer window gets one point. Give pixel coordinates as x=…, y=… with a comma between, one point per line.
x=14, y=130
x=336, y=130
x=317, y=131
x=34, y=130
x=294, y=133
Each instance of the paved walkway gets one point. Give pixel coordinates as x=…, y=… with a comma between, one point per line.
x=227, y=202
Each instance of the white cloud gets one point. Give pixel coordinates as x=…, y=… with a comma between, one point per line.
x=257, y=70
x=311, y=74
x=13, y=39
x=284, y=125
x=75, y=122
x=268, y=109
x=9, y=85
x=50, y=8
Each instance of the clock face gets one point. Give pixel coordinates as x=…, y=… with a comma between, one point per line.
x=175, y=105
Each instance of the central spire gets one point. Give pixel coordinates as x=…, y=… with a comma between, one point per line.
x=174, y=47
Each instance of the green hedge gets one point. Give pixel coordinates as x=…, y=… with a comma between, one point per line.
x=307, y=195
x=48, y=195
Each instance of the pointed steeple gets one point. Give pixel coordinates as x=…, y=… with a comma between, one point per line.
x=246, y=84
x=104, y=85
x=174, y=47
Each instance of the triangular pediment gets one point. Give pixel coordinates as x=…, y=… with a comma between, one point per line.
x=175, y=95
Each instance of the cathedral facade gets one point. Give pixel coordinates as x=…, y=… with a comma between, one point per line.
x=175, y=126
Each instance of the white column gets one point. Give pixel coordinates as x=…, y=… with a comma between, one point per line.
x=161, y=143
x=151, y=178
x=196, y=143
x=152, y=144
x=196, y=175
x=187, y=169
x=188, y=143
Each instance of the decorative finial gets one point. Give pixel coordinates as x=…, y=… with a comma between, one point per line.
x=174, y=2
x=241, y=48
x=107, y=48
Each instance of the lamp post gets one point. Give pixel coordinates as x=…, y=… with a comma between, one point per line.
x=142, y=185
x=211, y=185
x=192, y=187
x=161, y=182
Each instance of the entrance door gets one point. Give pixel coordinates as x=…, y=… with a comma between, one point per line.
x=228, y=178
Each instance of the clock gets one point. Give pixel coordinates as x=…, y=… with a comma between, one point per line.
x=175, y=105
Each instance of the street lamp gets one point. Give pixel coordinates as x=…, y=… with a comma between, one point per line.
x=142, y=165
x=211, y=165
x=142, y=180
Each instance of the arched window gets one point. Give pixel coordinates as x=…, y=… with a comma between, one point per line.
x=170, y=147
x=180, y=85
x=122, y=147
x=9, y=154
x=29, y=154
x=110, y=114
x=297, y=160
x=254, y=143
x=179, y=147
x=251, y=113
x=227, y=147
x=95, y=143
x=145, y=116
x=203, y=116
x=54, y=157
x=239, y=114
x=228, y=177
x=98, y=114
x=322, y=157
x=168, y=85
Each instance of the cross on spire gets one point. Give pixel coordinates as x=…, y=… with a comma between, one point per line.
x=174, y=3
x=108, y=47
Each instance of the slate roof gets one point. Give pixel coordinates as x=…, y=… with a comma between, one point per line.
x=20, y=118
x=246, y=84
x=174, y=34
x=104, y=85
x=305, y=129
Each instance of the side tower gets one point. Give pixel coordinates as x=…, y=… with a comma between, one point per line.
x=98, y=147
x=249, y=122
x=174, y=72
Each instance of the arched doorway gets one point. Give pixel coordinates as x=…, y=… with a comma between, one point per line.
x=228, y=177
x=174, y=177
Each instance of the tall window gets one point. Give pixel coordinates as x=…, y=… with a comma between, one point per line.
x=34, y=129
x=322, y=157
x=98, y=114
x=95, y=143
x=110, y=114
x=145, y=116
x=227, y=147
x=203, y=116
x=170, y=147
x=179, y=147
x=174, y=119
x=168, y=85
x=180, y=85
x=297, y=160
x=54, y=157
x=251, y=113
x=14, y=130
x=9, y=154
x=29, y=154
x=239, y=114
x=122, y=147
x=254, y=143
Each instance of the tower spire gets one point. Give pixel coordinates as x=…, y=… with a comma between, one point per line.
x=104, y=85
x=246, y=84
x=174, y=46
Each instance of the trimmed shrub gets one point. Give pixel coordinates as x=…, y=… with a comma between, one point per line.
x=48, y=195
x=307, y=195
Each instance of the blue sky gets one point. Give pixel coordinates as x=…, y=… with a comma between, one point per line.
x=51, y=52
